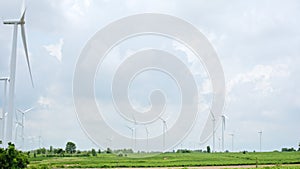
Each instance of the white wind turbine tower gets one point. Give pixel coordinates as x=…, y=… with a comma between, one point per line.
x=109, y=141
x=232, y=136
x=13, y=60
x=260, y=133
x=165, y=127
x=219, y=143
x=22, y=123
x=3, y=116
x=224, y=117
x=214, y=131
x=18, y=124
x=135, y=128
x=133, y=136
x=147, y=132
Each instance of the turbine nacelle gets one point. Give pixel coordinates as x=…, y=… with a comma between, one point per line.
x=21, y=21
x=14, y=22
x=4, y=78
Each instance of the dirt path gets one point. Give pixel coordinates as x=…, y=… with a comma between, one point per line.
x=215, y=167
x=212, y=167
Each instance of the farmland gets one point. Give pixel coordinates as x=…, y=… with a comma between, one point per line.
x=168, y=160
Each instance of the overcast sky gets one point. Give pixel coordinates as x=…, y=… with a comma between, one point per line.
x=257, y=42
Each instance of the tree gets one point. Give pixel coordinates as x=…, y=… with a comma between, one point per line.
x=288, y=149
x=51, y=149
x=108, y=151
x=94, y=153
x=70, y=147
x=60, y=151
x=12, y=158
x=208, y=149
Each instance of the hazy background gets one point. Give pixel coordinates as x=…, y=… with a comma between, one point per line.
x=258, y=44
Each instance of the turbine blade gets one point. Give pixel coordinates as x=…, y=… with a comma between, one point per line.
x=28, y=110
x=224, y=123
x=212, y=115
x=23, y=6
x=17, y=119
x=26, y=51
x=23, y=15
x=20, y=111
x=130, y=128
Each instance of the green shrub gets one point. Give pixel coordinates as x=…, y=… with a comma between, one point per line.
x=12, y=158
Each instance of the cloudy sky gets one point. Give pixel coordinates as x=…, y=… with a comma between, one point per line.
x=257, y=42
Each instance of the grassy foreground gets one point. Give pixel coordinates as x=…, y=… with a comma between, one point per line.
x=168, y=160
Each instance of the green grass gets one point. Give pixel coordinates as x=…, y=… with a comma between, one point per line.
x=168, y=160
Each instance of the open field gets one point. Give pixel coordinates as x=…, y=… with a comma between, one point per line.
x=169, y=160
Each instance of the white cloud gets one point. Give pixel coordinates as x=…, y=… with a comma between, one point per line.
x=55, y=49
x=75, y=8
x=189, y=54
x=260, y=76
x=206, y=87
x=192, y=60
x=44, y=102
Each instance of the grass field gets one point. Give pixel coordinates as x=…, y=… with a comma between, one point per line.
x=168, y=160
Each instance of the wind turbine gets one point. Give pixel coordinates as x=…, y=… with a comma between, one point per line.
x=260, y=133
x=224, y=117
x=147, y=132
x=22, y=124
x=18, y=123
x=214, y=131
x=3, y=116
x=12, y=76
x=219, y=142
x=232, y=135
x=165, y=127
x=40, y=141
x=132, y=134
x=135, y=128
x=109, y=140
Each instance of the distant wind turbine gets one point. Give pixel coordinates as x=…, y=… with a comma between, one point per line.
x=219, y=143
x=165, y=128
x=214, y=131
x=133, y=137
x=260, y=134
x=147, y=132
x=232, y=135
x=135, y=129
x=18, y=124
x=109, y=140
x=40, y=141
x=4, y=113
x=13, y=61
x=224, y=117
x=22, y=123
